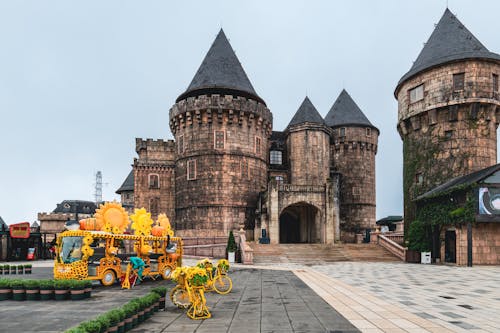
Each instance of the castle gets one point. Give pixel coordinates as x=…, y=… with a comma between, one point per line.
x=228, y=170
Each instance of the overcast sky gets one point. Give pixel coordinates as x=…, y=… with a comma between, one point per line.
x=80, y=80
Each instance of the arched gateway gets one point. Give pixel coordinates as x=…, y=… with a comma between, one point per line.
x=300, y=223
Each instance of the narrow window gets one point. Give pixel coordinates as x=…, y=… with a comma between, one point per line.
x=368, y=131
x=191, y=170
x=257, y=145
x=417, y=94
x=342, y=131
x=244, y=169
x=180, y=144
x=219, y=140
x=458, y=81
x=279, y=179
x=419, y=178
x=153, y=206
x=453, y=113
x=495, y=83
x=154, y=181
x=448, y=134
x=276, y=157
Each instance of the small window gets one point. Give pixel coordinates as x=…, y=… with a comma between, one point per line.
x=342, y=131
x=257, y=145
x=244, y=169
x=153, y=206
x=458, y=81
x=180, y=144
x=276, y=157
x=280, y=179
x=419, y=178
x=417, y=94
x=448, y=134
x=495, y=83
x=368, y=131
x=154, y=181
x=219, y=140
x=191, y=170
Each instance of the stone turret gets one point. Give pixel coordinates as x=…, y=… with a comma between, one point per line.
x=447, y=110
x=221, y=128
x=353, y=150
x=307, y=140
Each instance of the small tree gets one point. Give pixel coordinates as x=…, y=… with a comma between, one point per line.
x=231, y=243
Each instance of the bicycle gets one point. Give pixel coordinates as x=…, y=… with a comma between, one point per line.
x=220, y=281
x=188, y=295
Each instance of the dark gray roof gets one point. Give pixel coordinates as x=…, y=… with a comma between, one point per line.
x=390, y=219
x=220, y=70
x=2, y=222
x=346, y=112
x=306, y=113
x=128, y=184
x=76, y=206
x=449, y=41
x=460, y=182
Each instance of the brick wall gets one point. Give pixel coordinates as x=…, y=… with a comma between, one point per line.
x=485, y=244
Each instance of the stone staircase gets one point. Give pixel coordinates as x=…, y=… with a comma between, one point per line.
x=318, y=254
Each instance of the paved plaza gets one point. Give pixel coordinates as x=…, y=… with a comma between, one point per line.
x=336, y=297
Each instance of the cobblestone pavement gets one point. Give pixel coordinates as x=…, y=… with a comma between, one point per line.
x=460, y=299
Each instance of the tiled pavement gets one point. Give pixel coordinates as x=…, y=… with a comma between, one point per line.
x=374, y=297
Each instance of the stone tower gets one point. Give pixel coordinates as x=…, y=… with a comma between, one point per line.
x=353, y=150
x=222, y=129
x=307, y=141
x=154, y=181
x=447, y=106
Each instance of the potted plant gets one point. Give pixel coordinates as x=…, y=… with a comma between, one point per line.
x=46, y=290
x=88, y=288
x=121, y=322
x=91, y=326
x=114, y=318
x=32, y=290
x=13, y=269
x=27, y=269
x=78, y=329
x=77, y=290
x=162, y=291
x=104, y=321
x=20, y=269
x=231, y=247
x=1, y=269
x=5, y=289
x=129, y=311
x=6, y=269
x=18, y=290
x=61, y=290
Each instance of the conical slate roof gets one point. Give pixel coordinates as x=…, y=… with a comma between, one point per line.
x=128, y=184
x=449, y=41
x=346, y=112
x=306, y=113
x=220, y=70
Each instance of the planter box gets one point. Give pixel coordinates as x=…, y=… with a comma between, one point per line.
x=412, y=256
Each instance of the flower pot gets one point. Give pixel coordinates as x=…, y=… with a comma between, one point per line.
x=20, y=269
x=32, y=294
x=5, y=293
x=6, y=270
x=61, y=294
x=46, y=294
x=13, y=269
x=18, y=294
x=135, y=319
x=129, y=323
x=88, y=292
x=27, y=270
x=141, y=316
x=112, y=329
x=121, y=327
x=77, y=294
x=230, y=257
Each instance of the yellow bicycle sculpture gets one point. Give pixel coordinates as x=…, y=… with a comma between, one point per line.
x=189, y=291
x=192, y=282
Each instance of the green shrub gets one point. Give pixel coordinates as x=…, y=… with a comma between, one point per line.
x=104, y=320
x=5, y=283
x=231, y=243
x=62, y=284
x=129, y=309
x=76, y=330
x=121, y=313
x=47, y=284
x=33, y=284
x=91, y=326
x=17, y=284
x=162, y=291
x=417, y=237
x=113, y=317
x=27, y=266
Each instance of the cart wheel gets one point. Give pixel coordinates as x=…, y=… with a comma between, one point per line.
x=223, y=284
x=167, y=272
x=108, y=278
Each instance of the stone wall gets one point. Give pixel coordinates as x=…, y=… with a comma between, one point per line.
x=225, y=141
x=353, y=156
x=156, y=158
x=308, y=154
x=448, y=133
x=485, y=244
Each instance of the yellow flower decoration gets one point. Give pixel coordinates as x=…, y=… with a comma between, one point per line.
x=112, y=217
x=87, y=240
x=141, y=222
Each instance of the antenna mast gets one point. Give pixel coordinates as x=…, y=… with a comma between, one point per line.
x=98, y=187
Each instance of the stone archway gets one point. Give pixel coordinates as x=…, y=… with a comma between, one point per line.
x=300, y=223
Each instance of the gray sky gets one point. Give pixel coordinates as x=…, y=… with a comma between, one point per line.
x=80, y=80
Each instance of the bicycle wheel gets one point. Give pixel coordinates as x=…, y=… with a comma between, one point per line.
x=223, y=284
x=180, y=297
